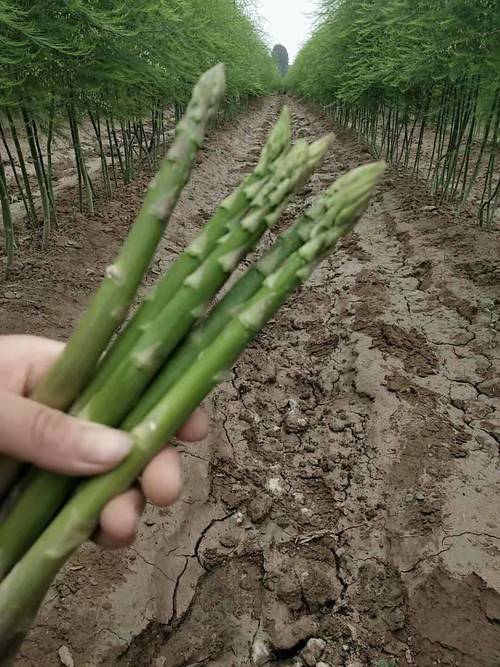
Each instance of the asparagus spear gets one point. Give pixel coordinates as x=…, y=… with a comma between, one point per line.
x=47, y=491
x=110, y=305
x=230, y=214
x=29, y=516
x=24, y=588
x=326, y=212
x=161, y=336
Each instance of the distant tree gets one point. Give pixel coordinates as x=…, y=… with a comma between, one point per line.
x=280, y=55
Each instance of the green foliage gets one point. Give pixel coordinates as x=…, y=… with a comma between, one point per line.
x=124, y=57
x=115, y=63
x=393, y=69
x=366, y=49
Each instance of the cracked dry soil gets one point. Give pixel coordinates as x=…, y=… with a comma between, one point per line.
x=349, y=488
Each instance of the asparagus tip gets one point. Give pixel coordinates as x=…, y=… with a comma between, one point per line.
x=366, y=178
x=366, y=175
x=319, y=148
x=278, y=142
x=213, y=83
x=372, y=170
x=281, y=135
x=285, y=115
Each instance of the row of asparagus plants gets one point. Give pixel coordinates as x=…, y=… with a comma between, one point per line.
x=176, y=348
x=74, y=74
x=418, y=82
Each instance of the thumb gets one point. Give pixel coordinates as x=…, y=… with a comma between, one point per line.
x=54, y=441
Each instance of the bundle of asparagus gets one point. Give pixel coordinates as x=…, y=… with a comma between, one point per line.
x=175, y=349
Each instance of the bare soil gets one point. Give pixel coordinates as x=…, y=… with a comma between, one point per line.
x=348, y=491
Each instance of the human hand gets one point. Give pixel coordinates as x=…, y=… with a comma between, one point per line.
x=54, y=441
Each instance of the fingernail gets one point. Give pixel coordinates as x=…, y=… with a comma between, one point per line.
x=104, y=445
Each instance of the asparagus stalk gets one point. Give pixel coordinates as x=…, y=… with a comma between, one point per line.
x=47, y=491
x=29, y=516
x=161, y=336
x=110, y=305
x=229, y=215
x=325, y=213
x=23, y=589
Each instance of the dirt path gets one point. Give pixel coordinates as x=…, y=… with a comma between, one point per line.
x=349, y=489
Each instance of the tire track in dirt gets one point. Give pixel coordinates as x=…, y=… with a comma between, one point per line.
x=347, y=490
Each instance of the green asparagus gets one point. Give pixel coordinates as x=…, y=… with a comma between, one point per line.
x=326, y=212
x=160, y=337
x=230, y=214
x=47, y=491
x=23, y=589
x=110, y=305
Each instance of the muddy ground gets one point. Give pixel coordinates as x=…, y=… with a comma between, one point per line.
x=348, y=492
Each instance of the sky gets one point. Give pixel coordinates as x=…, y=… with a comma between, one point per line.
x=287, y=22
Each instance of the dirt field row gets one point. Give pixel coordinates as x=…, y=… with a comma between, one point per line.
x=348, y=492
